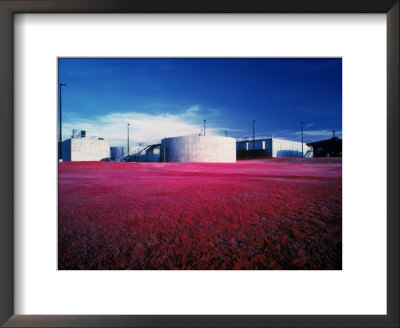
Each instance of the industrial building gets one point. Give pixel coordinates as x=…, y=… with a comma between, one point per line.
x=270, y=147
x=192, y=148
x=327, y=148
x=81, y=148
x=216, y=149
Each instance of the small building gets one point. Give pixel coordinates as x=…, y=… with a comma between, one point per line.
x=81, y=148
x=327, y=148
x=269, y=147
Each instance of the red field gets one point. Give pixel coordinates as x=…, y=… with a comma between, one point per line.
x=256, y=214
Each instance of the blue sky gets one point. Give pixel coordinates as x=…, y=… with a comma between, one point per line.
x=172, y=96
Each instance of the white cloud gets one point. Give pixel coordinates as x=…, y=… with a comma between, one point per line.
x=192, y=110
x=214, y=111
x=143, y=127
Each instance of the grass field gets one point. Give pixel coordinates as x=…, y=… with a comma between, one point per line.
x=255, y=214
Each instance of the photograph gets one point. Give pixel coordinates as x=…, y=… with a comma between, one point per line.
x=218, y=163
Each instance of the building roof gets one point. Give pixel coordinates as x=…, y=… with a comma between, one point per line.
x=326, y=142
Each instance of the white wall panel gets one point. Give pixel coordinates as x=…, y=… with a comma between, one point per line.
x=287, y=148
x=89, y=149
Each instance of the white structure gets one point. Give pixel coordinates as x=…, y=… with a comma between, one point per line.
x=272, y=147
x=80, y=148
x=215, y=149
x=287, y=148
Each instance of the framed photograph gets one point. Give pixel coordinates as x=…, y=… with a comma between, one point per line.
x=176, y=191
x=182, y=164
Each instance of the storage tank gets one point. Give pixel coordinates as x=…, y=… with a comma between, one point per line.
x=118, y=153
x=213, y=149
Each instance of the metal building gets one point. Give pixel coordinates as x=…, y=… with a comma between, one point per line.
x=81, y=148
x=327, y=148
x=215, y=149
x=270, y=147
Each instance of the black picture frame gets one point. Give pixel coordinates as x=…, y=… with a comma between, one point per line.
x=7, y=10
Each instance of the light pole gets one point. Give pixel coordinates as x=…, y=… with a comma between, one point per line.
x=204, y=127
x=60, y=145
x=301, y=125
x=128, y=138
x=254, y=148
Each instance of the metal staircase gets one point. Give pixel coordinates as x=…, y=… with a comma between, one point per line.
x=146, y=146
x=309, y=153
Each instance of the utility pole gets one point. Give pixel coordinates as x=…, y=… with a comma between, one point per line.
x=254, y=148
x=301, y=125
x=60, y=146
x=204, y=127
x=128, y=139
